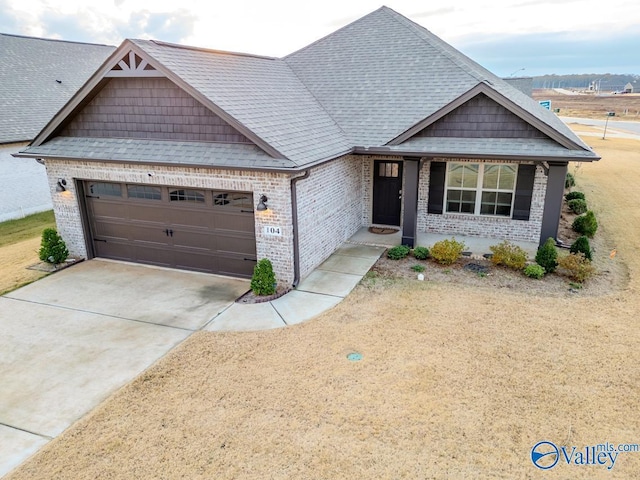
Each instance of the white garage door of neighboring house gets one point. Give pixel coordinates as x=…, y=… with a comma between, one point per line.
x=187, y=228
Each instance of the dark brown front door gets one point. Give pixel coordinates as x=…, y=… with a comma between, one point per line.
x=387, y=192
x=192, y=229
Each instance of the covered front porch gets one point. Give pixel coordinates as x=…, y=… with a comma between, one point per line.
x=475, y=245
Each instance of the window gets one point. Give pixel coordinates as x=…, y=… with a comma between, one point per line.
x=105, y=189
x=143, y=191
x=388, y=169
x=480, y=189
x=183, y=195
x=229, y=199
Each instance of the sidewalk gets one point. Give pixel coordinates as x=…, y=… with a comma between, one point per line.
x=331, y=282
x=323, y=289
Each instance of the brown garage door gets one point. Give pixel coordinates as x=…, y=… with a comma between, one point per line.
x=192, y=229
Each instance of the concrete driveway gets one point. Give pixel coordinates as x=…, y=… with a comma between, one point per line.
x=71, y=339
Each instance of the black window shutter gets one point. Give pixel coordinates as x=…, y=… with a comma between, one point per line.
x=436, y=187
x=524, y=192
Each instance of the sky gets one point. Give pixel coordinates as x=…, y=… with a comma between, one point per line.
x=510, y=38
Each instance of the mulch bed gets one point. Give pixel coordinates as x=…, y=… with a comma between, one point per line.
x=251, y=297
x=54, y=267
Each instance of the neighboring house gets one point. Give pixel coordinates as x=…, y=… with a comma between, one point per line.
x=167, y=151
x=524, y=84
x=37, y=77
x=628, y=88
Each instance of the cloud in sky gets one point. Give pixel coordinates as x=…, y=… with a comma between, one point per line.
x=175, y=26
x=544, y=36
x=559, y=52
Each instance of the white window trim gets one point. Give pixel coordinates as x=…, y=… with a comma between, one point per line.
x=479, y=190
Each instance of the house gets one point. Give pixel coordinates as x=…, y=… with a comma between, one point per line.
x=37, y=77
x=524, y=84
x=205, y=160
x=628, y=88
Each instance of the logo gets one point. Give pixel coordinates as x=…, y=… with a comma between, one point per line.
x=545, y=455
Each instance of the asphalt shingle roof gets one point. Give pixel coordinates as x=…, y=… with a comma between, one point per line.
x=37, y=77
x=360, y=87
x=167, y=152
x=261, y=93
x=383, y=73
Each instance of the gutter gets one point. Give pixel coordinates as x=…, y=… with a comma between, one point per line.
x=294, y=218
x=151, y=162
x=519, y=157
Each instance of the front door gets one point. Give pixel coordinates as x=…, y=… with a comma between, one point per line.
x=387, y=192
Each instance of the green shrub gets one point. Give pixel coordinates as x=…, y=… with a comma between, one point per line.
x=547, y=255
x=534, y=271
x=418, y=268
x=577, y=266
x=509, y=255
x=421, y=253
x=52, y=248
x=398, y=252
x=447, y=252
x=586, y=224
x=263, y=281
x=569, y=181
x=581, y=245
x=577, y=206
x=574, y=196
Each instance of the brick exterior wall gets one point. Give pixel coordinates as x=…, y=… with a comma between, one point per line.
x=329, y=209
x=333, y=203
x=279, y=249
x=481, y=226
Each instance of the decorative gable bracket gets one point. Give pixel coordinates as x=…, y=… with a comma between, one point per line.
x=131, y=65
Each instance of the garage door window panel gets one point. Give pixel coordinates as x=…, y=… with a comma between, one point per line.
x=188, y=196
x=144, y=192
x=230, y=200
x=106, y=189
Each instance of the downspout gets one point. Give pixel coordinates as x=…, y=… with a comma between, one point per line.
x=294, y=219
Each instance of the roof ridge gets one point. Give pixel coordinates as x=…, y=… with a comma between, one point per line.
x=203, y=49
x=54, y=40
x=453, y=55
x=481, y=74
x=321, y=39
x=315, y=98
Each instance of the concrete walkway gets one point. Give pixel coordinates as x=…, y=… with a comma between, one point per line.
x=323, y=289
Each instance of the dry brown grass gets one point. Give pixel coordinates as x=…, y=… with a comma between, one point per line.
x=627, y=106
x=457, y=381
x=14, y=260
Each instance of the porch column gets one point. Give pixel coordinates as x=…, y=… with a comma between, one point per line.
x=553, y=201
x=410, y=200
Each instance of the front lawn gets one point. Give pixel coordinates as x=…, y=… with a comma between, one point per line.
x=15, y=231
x=19, y=244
